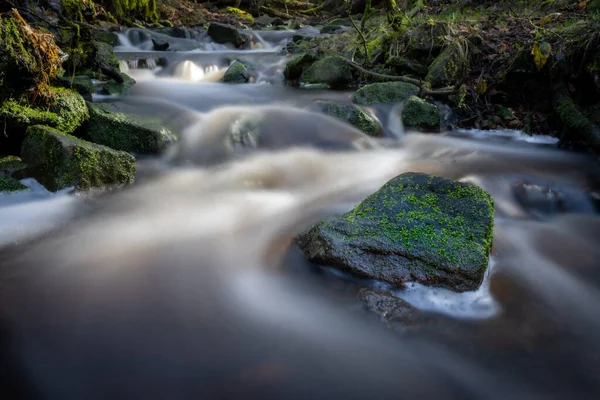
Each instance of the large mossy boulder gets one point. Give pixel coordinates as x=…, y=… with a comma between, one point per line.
x=333, y=71
x=417, y=227
x=58, y=160
x=125, y=132
x=294, y=68
x=236, y=73
x=418, y=113
x=62, y=108
x=222, y=33
x=350, y=113
x=450, y=67
x=28, y=57
x=385, y=92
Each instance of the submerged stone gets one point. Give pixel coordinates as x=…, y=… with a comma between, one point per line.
x=65, y=110
x=385, y=92
x=418, y=113
x=350, y=113
x=236, y=73
x=58, y=160
x=417, y=227
x=333, y=71
x=118, y=89
x=124, y=132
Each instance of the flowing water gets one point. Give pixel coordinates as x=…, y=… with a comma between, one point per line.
x=188, y=284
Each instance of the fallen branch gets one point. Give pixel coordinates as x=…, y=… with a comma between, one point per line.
x=384, y=76
x=361, y=36
x=314, y=9
x=443, y=92
x=276, y=13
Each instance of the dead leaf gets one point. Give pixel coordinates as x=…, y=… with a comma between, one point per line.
x=540, y=53
x=481, y=86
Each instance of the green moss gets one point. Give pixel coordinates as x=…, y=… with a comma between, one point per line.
x=450, y=66
x=116, y=88
x=333, y=71
x=125, y=10
x=66, y=110
x=417, y=113
x=59, y=160
x=122, y=132
x=385, y=92
x=10, y=185
x=81, y=83
x=241, y=14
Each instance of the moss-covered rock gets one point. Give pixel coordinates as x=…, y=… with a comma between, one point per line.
x=293, y=69
x=418, y=113
x=240, y=14
x=58, y=160
x=120, y=131
x=385, y=92
x=417, y=227
x=450, y=67
x=10, y=185
x=350, y=113
x=66, y=111
x=332, y=71
x=11, y=166
x=28, y=57
x=236, y=73
x=104, y=59
x=222, y=33
x=118, y=89
x=404, y=65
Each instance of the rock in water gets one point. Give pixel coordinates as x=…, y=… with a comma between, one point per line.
x=417, y=227
x=385, y=92
x=350, y=113
x=222, y=33
x=58, y=160
x=418, y=113
x=236, y=73
x=333, y=71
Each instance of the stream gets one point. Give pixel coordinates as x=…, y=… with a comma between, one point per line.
x=188, y=284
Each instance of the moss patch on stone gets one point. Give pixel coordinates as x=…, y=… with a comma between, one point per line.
x=450, y=67
x=385, y=92
x=118, y=88
x=65, y=110
x=418, y=113
x=58, y=160
x=236, y=73
x=417, y=227
x=120, y=131
x=294, y=68
x=10, y=185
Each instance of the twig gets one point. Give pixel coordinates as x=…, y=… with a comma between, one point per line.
x=361, y=36
x=443, y=92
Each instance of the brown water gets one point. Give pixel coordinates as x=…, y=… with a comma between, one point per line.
x=187, y=284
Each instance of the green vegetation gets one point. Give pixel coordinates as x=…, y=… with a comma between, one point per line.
x=385, y=92
x=417, y=113
x=10, y=185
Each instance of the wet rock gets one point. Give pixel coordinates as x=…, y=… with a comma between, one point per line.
x=104, y=59
x=10, y=185
x=110, y=38
x=58, y=160
x=417, y=227
x=65, y=110
x=418, y=113
x=81, y=83
x=391, y=309
x=449, y=67
x=293, y=69
x=236, y=73
x=118, y=89
x=330, y=29
x=175, y=32
x=222, y=33
x=10, y=166
x=124, y=132
x=159, y=45
x=332, y=71
x=385, y=92
x=350, y=113
x=264, y=20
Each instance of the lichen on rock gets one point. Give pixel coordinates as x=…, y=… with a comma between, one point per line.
x=58, y=160
x=417, y=227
